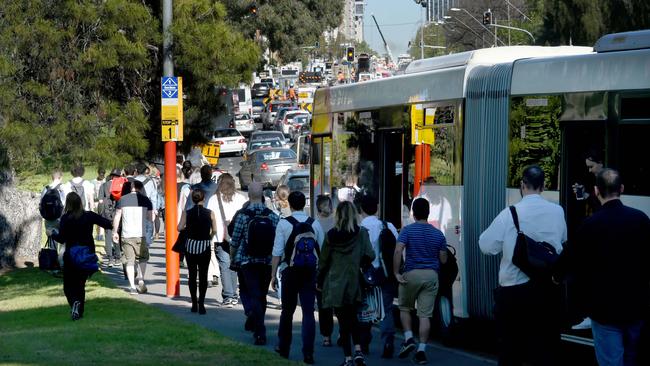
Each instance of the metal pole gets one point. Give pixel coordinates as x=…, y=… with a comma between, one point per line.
x=422, y=34
x=172, y=258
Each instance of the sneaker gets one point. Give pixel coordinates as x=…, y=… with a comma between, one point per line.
x=584, y=324
x=420, y=358
x=133, y=291
x=142, y=288
x=234, y=301
x=227, y=303
x=358, y=359
x=406, y=348
x=389, y=349
x=215, y=281
x=74, y=313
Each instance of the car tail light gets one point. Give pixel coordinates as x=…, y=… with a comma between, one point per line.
x=264, y=166
x=242, y=141
x=232, y=124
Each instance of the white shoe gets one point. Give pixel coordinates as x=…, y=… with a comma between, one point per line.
x=585, y=324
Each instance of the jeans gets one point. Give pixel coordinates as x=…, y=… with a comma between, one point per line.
x=298, y=282
x=198, y=263
x=616, y=345
x=257, y=278
x=112, y=249
x=387, y=326
x=228, y=276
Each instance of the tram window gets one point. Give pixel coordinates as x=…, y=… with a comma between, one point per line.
x=633, y=161
x=635, y=108
x=316, y=174
x=444, y=156
x=535, y=138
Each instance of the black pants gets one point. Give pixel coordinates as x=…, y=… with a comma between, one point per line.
x=527, y=320
x=298, y=283
x=74, y=283
x=348, y=327
x=325, y=317
x=257, y=278
x=198, y=263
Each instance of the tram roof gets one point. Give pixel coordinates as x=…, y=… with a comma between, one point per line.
x=434, y=79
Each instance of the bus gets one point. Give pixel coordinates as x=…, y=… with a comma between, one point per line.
x=459, y=129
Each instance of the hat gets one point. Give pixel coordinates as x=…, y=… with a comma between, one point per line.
x=116, y=172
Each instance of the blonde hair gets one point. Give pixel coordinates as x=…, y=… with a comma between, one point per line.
x=282, y=194
x=346, y=217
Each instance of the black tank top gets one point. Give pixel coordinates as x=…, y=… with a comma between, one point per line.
x=198, y=223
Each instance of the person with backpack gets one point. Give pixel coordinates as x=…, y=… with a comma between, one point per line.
x=252, y=243
x=298, y=238
x=51, y=209
x=107, y=203
x=383, y=237
x=81, y=187
x=346, y=250
x=151, y=191
x=75, y=230
x=225, y=203
x=325, y=218
x=97, y=184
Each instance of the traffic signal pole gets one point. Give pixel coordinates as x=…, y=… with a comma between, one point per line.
x=171, y=233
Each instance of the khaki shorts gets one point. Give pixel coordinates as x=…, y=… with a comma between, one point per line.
x=134, y=249
x=421, y=288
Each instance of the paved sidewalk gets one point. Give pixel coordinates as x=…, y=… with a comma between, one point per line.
x=230, y=322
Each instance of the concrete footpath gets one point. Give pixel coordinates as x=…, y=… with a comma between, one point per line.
x=230, y=321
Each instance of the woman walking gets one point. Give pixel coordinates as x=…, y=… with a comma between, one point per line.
x=200, y=225
x=281, y=202
x=76, y=229
x=346, y=249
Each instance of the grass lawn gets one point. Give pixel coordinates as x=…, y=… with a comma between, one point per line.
x=32, y=182
x=35, y=329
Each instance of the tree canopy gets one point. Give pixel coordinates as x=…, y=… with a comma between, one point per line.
x=79, y=80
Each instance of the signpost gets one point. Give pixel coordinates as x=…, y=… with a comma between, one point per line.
x=172, y=108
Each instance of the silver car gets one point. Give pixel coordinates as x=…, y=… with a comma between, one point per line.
x=297, y=180
x=259, y=144
x=265, y=135
x=266, y=166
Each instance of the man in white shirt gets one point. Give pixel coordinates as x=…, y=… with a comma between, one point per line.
x=151, y=191
x=371, y=222
x=296, y=281
x=82, y=187
x=525, y=310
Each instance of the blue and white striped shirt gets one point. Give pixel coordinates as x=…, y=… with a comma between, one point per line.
x=423, y=244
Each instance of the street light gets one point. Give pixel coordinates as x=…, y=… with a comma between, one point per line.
x=479, y=22
x=513, y=28
x=423, y=3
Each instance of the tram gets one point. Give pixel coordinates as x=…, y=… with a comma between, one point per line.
x=460, y=129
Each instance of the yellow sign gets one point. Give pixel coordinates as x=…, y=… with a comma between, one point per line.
x=211, y=152
x=172, y=108
x=420, y=118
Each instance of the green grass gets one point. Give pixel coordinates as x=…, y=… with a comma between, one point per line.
x=35, y=329
x=34, y=182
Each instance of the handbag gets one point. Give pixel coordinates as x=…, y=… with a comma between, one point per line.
x=535, y=258
x=371, y=309
x=48, y=258
x=225, y=244
x=372, y=276
x=84, y=259
x=179, y=245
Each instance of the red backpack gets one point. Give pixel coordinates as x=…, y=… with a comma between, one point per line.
x=116, y=187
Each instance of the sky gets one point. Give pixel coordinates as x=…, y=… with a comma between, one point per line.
x=398, y=20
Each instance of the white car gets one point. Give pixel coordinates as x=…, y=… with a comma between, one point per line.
x=230, y=141
x=243, y=123
x=286, y=124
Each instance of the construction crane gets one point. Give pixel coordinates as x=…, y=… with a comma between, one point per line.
x=390, y=54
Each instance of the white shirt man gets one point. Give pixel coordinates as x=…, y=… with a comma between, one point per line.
x=89, y=191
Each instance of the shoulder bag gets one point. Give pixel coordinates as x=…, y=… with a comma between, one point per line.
x=534, y=258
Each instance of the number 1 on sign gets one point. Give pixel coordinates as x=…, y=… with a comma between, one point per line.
x=169, y=133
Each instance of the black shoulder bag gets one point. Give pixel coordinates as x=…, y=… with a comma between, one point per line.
x=534, y=258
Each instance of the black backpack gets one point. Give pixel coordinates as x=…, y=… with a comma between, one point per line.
x=387, y=243
x=301, y=249
x=78, y=188
x=51, y=207
x=261, y=234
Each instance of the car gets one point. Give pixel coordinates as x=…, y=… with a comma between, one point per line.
x=263, y=135
x=297, y=180
x=259, y=144
x=243, y=123
x=270, y=111
x=266, y=166
x=230, y=141
x=258, y=108
x=286, y=125
x=302, y=148
x=261, y=90
x=280, y=115
x=301, y=125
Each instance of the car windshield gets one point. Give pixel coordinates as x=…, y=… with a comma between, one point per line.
x=264, y=144
x=242, y=116
x=300, y=119
x=226, y=133
x=263, y=156
x=298, y=184
x=258, y=103
x=267, y=135
x=292, y=117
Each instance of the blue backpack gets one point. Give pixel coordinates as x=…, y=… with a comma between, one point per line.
x=302, y=248
x=84, y=259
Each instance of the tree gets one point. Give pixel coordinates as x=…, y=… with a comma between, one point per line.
x=285, y=25
x=79, y=80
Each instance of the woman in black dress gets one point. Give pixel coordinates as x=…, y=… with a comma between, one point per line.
x=200, y=224
x=76, y=228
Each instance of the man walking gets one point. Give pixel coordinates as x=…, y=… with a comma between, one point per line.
x=52, y=223
x=81, y=187
x=609, y=259
x=426, y=248
x=297, y=237
x=525, y=310
x=151, y=191
x=107, y=205
x=252, y=242
x=133, y=211
x=378, y=230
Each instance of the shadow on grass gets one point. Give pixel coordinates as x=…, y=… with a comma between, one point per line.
x=36, y=329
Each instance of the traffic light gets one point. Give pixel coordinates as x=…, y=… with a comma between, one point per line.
x=350, y=54
x=253, y=9
x=487, y=18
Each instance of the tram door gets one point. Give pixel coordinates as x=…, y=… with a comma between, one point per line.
x=390, y=146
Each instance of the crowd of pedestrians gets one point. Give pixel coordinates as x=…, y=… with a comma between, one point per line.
x=347, y=262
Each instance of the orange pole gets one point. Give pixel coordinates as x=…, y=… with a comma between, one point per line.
x=171, y=232
x=426, y=161
x=417, y=180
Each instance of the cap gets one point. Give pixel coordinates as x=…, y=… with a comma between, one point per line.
x=116, y=172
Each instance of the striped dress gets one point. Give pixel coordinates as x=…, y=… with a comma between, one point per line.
x=199, y=224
